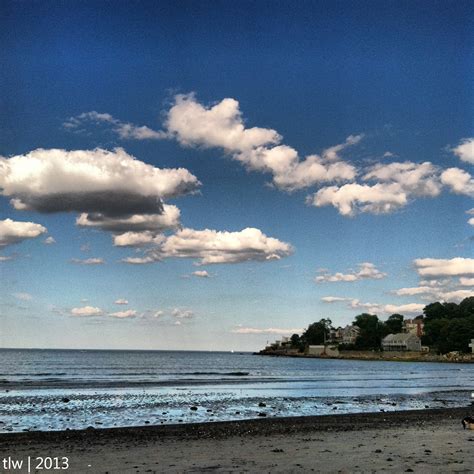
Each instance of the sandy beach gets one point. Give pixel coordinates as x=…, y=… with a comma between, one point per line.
x=424, y=441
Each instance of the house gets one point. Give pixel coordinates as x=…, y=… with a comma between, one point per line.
x=349, y=334
x=401, y=342
x=414, y=326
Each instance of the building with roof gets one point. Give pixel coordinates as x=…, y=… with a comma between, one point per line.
x=401, y=342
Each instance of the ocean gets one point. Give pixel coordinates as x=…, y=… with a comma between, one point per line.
x=73, y=389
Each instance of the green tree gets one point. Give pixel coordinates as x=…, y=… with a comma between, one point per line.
x=394, y=323
x=317, y=333
x=372, y=330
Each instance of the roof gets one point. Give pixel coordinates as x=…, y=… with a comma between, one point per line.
x=400, y=337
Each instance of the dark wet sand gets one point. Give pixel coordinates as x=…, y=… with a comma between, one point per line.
x=424, y=441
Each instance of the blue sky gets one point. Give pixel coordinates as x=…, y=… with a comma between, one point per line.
x=340, y=133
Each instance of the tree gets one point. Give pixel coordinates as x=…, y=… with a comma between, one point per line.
x=448, y=326
x=394, y=323
x=371, y=331
x=317, y=333
x=297, y=342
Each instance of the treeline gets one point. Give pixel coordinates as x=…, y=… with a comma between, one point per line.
x=447, y=327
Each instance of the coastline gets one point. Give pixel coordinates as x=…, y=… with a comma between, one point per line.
x=377, y=356
x=430, y=440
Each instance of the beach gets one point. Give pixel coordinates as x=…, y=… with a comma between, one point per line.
x=424, y=441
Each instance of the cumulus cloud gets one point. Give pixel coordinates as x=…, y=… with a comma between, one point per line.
x=460, y=181
x=49, y=241
x=259, y=149
x=416, y=179
x=201, y=274
x=212, y=247
x=124, y=130
x=121, y=301
x=352, y=198
x=167, y=220
x=438, y=293
x=434, y=267
x=180, y=313
x=112, y=183
x=137, y=239
x=466, y=281
x=470, y=212
x=395, y=184
x=14, y=232
x=355, y=303
x=129, y=313
x=465, y=150
x=88, y=261
x=86, y=311
x=273, y=331
x=366, y=271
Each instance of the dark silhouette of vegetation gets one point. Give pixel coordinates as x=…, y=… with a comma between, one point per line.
x=447, y=327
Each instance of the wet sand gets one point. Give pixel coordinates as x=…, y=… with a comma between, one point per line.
x=424, y=441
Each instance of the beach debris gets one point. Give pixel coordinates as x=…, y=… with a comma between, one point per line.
x=194, y=408
x=468, y=422
x=277, y=450
x=262, y=404
x=65, y=400
x=262, y=414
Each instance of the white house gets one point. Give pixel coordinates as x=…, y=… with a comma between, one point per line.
x=401, y=342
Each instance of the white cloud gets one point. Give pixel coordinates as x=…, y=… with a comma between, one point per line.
x=466, y=281
x=351, y=198
x=124, y=130
x=334, y=299
x=220, y=125
x=354, y=303
x=366, y=271
x=86, y=311
x=465, y=150
x=415, y=179
x=121, y=301
x=88, y=261
x=201, y=274
x=129, y=313
x=433, y=267
x=168, y=219
x=259, y=149
x=470, y=212
x=23, y=296
x=211, y=246
x=180, y=313
x=5, y=258
x=276, y=331
x=111, y=183
x=49, y=241
x=137, y=239
x=13, y=232
x=460, y=181
x=332, y=153
x=439, y=293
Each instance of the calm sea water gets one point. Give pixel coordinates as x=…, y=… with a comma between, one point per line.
x=59, y=389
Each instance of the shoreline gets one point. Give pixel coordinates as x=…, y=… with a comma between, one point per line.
x=429, y=440
x=376, y=356
x=271, y=425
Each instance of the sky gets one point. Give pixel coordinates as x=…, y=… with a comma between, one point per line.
x=216, y=175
